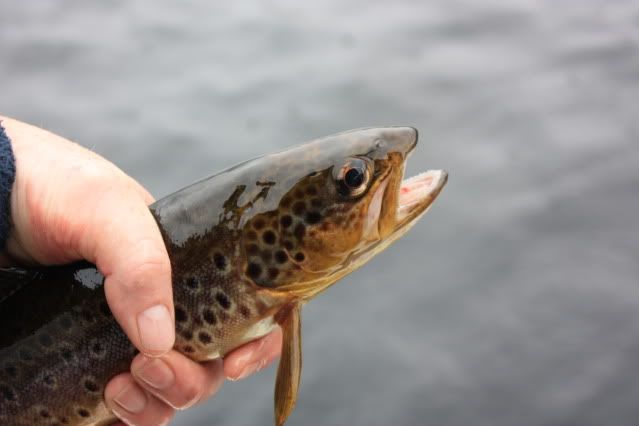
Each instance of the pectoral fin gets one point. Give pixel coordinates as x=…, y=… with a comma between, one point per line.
x=290, y=368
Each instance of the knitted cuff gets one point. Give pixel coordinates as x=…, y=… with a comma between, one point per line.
x=7, y=176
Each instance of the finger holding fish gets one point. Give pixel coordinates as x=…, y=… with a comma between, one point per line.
x=253, y=356
x=134, y=405
x=181, y=383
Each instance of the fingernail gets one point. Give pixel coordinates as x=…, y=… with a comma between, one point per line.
x=246, y=358
x=157, y=332
x=250, y=356
x=250, y=369
x=156, y=373
x=132, y=399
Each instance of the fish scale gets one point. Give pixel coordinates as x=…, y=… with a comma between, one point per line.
x=248, y=248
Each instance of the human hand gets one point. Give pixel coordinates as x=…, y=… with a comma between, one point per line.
x=115, y=230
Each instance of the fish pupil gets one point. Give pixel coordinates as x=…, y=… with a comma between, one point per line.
x=354, y=178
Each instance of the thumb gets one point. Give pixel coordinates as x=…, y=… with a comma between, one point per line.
x=131, y=254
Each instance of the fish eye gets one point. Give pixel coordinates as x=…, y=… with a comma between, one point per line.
x=353, y=177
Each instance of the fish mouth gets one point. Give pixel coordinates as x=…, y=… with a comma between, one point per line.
x=416, y=194
x=410, y=197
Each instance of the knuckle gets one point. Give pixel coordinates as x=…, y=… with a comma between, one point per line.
x=95, y=174
x=153, y=266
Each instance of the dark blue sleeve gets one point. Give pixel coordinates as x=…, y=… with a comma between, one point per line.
x=7, y=176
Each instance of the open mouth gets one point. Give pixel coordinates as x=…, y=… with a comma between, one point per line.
x=417, y=193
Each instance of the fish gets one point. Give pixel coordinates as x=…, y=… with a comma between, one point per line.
x=249, y=247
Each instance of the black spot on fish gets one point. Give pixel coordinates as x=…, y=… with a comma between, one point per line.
x=289, y=245
x=186, y=334
x=273, y=273
x=91, y=386
x=311, y=190
x=220, y=261
x=254, y=270
x=49, y=380
x=192, y=283
x=244, y=311
x=269, y=237
x=313, y=217
x=286, y=221
x=180, y=314
x=97, y=349
x=87, y=315
x=300, y=231
x=11, y=370
x=299, y=257
x=188, y=349
x=299, y=208
x=259, y=224
x=209, y=317
x=7, y=393
x=316, y=202
x=104, y=309
x=83, y=412
x=281, y=256
x=67, y=354
x=204, y=337
x=223, y=300
x=252, y=249
x=45, y=414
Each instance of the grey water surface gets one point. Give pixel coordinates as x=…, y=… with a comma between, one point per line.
x=514, y=302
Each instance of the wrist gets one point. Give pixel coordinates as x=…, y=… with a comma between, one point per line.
x=7, y=177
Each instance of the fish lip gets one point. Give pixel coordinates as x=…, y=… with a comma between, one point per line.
x=418, y=193
x=414, y=144
x=411, y=212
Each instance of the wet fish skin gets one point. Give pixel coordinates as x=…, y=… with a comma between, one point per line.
x=248, y=247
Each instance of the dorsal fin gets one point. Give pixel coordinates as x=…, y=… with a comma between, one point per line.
x=13, y=279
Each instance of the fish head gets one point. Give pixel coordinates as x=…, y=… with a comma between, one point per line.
x=345, y=201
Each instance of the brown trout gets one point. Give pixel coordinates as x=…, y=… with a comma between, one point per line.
x=248, y=248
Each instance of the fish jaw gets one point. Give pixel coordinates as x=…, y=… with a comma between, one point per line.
x=417, y=194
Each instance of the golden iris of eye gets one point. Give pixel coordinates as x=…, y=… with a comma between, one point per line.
x=353, y=178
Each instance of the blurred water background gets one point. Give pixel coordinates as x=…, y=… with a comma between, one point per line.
x=514, y=302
